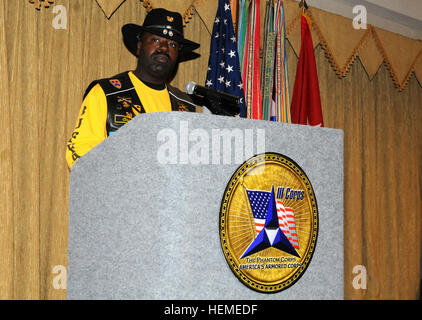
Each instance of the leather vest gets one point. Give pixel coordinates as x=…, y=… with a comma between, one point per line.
x=123, y=103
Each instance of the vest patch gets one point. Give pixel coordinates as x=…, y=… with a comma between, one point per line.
x=118, y=118
x=123, y=103
x=116, y=83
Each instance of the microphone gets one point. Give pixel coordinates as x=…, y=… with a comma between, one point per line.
x=218, y=102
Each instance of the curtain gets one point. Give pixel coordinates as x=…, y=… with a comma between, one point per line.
x=382, y=170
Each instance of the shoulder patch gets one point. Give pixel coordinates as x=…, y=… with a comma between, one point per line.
x=116, y=83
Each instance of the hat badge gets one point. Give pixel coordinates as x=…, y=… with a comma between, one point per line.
x=168, y=31
x=170, y=19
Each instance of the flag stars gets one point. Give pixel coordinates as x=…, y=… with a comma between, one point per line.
x=225, y=74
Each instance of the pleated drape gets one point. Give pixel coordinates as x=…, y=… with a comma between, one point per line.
x=382, y=155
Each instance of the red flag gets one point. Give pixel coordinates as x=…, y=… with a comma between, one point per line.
x=306, y=101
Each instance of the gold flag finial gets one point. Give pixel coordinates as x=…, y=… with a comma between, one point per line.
x=303, y=5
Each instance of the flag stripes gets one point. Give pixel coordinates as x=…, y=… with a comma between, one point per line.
x=286, y=217
x=266, y=91
x=275, y=73
x=249, y=36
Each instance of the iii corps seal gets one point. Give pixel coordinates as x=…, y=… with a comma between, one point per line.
x=269, y=222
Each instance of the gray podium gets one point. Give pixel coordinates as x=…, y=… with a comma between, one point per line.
x=144, y=209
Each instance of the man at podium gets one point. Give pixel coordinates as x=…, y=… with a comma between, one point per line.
x=108, y=104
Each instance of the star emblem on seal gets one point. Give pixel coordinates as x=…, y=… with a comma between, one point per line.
x=271, y=235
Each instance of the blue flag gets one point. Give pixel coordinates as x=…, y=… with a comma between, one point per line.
x=223, y=67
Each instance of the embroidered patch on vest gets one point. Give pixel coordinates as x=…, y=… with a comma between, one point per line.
x=126, y=102
x=116, y=83
x=118, y=118
x=182, y=107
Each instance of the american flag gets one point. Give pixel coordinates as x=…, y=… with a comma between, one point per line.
x=223, y=67
x=259, y=203
x=286, y=218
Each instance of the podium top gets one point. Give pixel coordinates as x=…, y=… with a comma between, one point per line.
x=148, y=132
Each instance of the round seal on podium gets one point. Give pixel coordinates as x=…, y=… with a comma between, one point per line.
x=269, y=222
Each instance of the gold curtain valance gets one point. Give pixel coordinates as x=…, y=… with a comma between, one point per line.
x=342, y=44
x=109, y=7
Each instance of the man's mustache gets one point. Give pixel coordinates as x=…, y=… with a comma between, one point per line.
x=160, y=53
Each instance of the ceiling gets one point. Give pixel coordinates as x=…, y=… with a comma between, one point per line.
x=402, y=17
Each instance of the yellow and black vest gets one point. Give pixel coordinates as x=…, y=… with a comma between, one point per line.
x=123, y=103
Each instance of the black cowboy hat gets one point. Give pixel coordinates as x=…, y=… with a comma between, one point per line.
x=163, y=23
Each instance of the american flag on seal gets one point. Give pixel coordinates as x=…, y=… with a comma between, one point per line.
x=286, y=217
